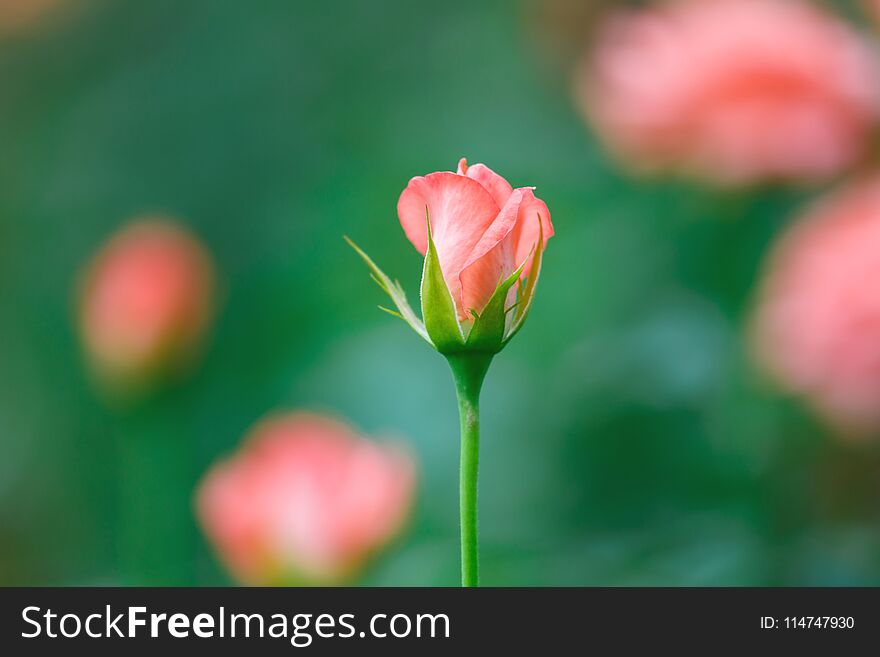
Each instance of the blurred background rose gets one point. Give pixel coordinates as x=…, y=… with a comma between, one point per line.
x=145, y=303
x=818, y=322
x=304, y=501
x=734, y=91
x=629, y=437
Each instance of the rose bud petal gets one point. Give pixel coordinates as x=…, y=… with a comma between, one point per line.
x=304, y=501
x=733, y=91
x=146, y=301
x=817, y=323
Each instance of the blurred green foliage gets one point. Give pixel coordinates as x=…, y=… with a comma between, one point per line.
x=627, y=438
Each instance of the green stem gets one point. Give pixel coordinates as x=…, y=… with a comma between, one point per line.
x=468, y=371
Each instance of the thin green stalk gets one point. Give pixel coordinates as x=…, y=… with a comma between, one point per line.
x=468, y=371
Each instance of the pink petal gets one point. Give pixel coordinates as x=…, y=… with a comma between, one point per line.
x=500, y=227
x=460, y=210
x=496, y=185
x=525, y=233
x=492, y=258
x=480, y=279
x=504, y=246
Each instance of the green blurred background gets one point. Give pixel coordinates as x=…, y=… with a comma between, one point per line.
x=627, y=438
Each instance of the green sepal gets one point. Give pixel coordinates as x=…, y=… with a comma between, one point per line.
x=438, y=307
x=394, y=290
x=487, y=333
x=524, y=303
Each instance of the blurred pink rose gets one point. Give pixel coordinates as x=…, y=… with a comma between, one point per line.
x=483, y=228
x=304, y=501
x=817, y=324
x=735, y=91
x=146, y=301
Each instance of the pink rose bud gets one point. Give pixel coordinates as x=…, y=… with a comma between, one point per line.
x=817, y=323
x=482, y=241
x=305, y=500
x=735, y=91
x=146, y=302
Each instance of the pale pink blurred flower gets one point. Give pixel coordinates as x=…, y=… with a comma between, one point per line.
x=735, y=91
x=483, y=229
x=817, y=323
x=305, y=500
x=146, y=301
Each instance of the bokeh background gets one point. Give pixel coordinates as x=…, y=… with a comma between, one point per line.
x=628, y=437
